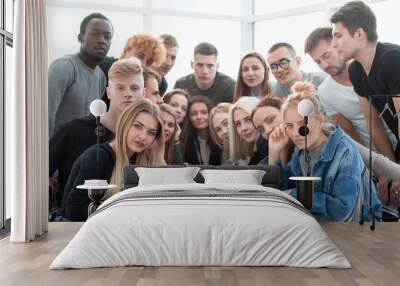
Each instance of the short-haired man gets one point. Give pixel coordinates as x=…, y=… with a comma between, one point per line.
x=338, y=99
x=171, y=45
x=75, y=80
x=285, y=66
x=374, y=71
x=125, y=87
x=151, y=83
x=206, y=80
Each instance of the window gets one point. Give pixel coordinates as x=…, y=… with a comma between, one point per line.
x=271, y=6
x=386, y=13
x=225, y=7
x=6, y=41
x=293, y=30
x=63, y=38
x=9, y=15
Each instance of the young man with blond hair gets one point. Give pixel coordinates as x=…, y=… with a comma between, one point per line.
x=125, y=87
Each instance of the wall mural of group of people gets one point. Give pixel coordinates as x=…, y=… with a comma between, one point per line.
x=209, y=118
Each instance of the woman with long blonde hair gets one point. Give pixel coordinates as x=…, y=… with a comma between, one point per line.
x=246, y=147
x=173, y=151
x=333, y=156
x=219, y=131
x=139, y=140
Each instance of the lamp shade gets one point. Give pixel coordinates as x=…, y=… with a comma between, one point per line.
x=305, y=107
x=98, y=107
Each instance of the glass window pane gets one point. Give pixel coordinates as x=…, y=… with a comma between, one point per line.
x=2, y=189
x=190, y=32
x=227, y=7
x=8, y=82
x=1, y=15
x=386, y=13
x=9, y=15
x=130, y=3
x=293, y=30
x=63, y=38
x=272, y=6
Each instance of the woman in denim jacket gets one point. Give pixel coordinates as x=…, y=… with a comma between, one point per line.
x=344, y=185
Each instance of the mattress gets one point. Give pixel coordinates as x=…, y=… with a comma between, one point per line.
x=201, y=225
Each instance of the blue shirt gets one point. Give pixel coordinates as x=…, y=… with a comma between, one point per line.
x=344, y=184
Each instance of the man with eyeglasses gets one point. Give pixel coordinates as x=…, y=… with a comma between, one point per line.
x=285, y=66
x=125, y=88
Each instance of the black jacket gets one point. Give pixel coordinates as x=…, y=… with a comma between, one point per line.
x=193, y=149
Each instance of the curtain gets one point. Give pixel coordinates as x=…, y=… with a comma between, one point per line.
x=26, y=123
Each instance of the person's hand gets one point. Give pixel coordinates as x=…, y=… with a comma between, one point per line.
x=383, y=191
x=277, y=140
x=177, y=132
x=53, y=184
x=395, y=193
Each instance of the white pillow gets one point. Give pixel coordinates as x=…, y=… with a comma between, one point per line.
x=249, y=177
x=166, y=176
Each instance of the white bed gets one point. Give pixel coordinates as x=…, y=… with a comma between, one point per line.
x=201, y=224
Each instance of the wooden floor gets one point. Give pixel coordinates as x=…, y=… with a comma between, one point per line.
x=374, y=255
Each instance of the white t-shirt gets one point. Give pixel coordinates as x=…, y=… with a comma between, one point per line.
x=337, y=98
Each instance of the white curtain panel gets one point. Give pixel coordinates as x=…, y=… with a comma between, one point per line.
x=26, y=123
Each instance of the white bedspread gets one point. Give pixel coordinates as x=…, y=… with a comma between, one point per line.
x=205, y=230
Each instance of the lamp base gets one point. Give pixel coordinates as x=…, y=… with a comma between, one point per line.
x=305, y=189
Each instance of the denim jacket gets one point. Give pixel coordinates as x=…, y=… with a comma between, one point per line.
x=344, y=185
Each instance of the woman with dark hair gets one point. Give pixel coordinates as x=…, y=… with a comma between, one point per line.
x=253, y=77
x=198, y=147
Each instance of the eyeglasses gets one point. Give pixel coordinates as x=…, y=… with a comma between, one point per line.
x=283, y=64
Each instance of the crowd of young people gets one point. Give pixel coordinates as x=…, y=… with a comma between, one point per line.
x=209, y=119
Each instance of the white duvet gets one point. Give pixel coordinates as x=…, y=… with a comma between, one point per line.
x=206, y=230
